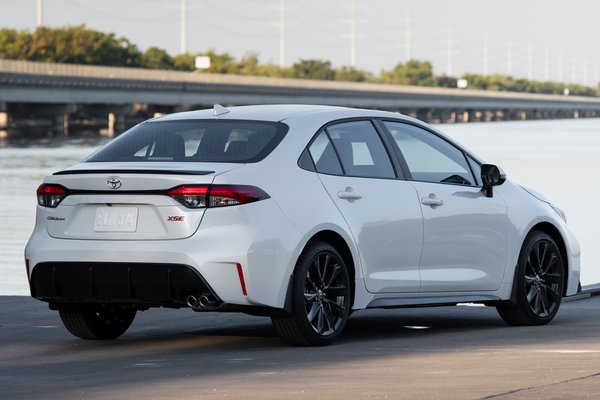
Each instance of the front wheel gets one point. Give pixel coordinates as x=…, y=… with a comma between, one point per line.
x=321, y=294
x=539, y=282
x=98, y=322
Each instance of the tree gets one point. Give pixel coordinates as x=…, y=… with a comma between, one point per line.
x=156, y=58
x=313, y=69
x=350, y=74
x=72, y=45
x=413, y=72
x=184, y=62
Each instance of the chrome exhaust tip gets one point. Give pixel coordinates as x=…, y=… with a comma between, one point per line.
x=191, y=301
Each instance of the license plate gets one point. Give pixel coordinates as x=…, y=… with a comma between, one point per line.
x=116, y=219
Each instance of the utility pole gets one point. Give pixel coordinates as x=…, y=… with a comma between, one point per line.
x=560, y=68
x=449, y=61
x=407, y=47
x=183, y=36
x=529, y=61
x=282, y=33
x=509, y=57
x=39, y=15
x=353, y=24
x=486, y=55
x=547, y=65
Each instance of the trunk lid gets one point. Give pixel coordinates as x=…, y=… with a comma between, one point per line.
x=127, y=201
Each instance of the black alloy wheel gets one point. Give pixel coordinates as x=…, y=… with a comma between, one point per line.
x=540, y=281
x=321, y=298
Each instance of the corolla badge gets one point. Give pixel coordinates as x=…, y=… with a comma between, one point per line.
x=114, y=182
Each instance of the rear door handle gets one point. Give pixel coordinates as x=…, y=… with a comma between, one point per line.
x=432, y=201
x=349, y=194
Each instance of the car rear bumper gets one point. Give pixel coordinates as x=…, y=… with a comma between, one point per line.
x=145, y=285
x=257, y=237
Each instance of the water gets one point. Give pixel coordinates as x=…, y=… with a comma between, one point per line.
x=557, y=158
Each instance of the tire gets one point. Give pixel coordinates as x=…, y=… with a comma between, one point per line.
x=540, y=281
x=321, y=296
x=98, y=322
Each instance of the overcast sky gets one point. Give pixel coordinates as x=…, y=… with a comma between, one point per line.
x=552, y=38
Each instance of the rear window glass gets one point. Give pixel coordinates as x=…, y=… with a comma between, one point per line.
x=232, y=141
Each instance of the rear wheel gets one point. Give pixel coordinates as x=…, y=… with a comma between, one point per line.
x=321, y=298
x=98, y=322
x=540, y=282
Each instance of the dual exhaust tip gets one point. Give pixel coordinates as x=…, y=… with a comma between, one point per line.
x=200, y=302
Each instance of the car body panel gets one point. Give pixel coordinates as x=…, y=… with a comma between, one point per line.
x=267, y=237
x=463, y=250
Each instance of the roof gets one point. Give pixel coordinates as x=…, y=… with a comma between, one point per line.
x=270, y=112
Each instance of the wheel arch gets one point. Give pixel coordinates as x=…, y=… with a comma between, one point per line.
x=339, y=243
x=555, y=234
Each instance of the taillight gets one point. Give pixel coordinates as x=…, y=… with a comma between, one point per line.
x=50, y=195
x=201, y=196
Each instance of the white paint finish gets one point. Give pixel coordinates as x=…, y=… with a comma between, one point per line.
x=387, y=227
x=465, y=239
x=383, y=229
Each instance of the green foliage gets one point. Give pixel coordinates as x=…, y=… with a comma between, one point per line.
x=313, y=69
x=80, y=45
x=504, y=83
x=350, y=74
x=413, y=72
x=156, y=58
x=445, y=81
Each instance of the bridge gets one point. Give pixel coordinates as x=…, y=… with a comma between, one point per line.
x=119, y=97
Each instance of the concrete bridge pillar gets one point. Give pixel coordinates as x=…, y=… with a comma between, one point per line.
x=424, y=114
x=3, y=115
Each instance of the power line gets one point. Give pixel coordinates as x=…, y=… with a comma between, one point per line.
x=407, y=38
x=529, y=61
x=282, y=33
x=353, y=24
x=449, y=55
x=183, y=33
x=486, y=54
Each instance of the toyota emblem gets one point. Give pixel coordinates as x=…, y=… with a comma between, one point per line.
x=114, y=182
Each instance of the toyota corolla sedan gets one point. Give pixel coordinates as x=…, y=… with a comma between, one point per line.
x=300, y=213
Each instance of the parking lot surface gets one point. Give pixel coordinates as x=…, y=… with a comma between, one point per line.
x=427, y=353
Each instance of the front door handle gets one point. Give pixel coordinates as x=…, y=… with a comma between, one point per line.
x=432, y=201
x=349, y=194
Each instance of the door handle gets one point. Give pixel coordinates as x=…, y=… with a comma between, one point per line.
x=349, y=194
x=432, y=201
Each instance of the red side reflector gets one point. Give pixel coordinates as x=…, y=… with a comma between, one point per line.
x=242, y=282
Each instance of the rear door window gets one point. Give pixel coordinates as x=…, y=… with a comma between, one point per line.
x=360, y=150
x=232, y=141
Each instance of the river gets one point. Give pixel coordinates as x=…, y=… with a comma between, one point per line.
x=559, y=158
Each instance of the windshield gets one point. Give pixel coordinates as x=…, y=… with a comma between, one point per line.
x=231, y=141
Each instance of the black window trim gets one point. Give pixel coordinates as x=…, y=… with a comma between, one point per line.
x=402, y=160
x=381, y=133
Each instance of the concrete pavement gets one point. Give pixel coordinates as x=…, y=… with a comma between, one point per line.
x=436, y=353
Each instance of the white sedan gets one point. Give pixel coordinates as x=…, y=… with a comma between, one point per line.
x=301, y=213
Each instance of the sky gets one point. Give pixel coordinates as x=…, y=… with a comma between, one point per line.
x=552, y=39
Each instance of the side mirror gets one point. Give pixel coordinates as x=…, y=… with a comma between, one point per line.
x=491, y=176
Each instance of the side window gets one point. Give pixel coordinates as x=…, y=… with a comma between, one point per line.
x=360, y=150
x=323, y=155
x=429, y=157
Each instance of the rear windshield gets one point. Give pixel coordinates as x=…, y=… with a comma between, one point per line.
x=232, y=141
